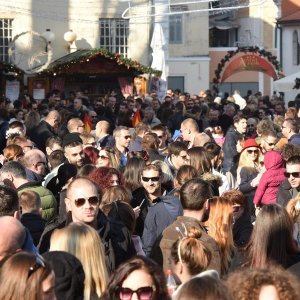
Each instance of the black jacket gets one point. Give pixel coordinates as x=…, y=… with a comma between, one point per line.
x=231, y=156
x=161, y=214
x=116, y=238
x=40, y=134
x=35, y=224
x=242, y=229
x=284, y=193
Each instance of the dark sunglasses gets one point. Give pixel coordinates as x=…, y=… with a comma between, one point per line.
x=252, y=151
x=250, y=125
x=39, y=263
x=294, y=174
x=127, y=137
x=143, y=293
x=103, y=157
x=154, y=179
x=270, y=144
x=94, y=200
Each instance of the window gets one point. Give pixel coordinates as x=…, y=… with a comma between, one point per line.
x=175, y=29
x=114, y=35
x=5, y=38
x=222, y=38
x=296, y=50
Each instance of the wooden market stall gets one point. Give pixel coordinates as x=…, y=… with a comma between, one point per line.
x=95, y=72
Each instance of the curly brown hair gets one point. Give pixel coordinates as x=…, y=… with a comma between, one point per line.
x=246, y=284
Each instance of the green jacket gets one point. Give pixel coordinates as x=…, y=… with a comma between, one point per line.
x=49, y=204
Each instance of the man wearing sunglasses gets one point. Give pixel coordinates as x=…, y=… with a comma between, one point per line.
x=268, y=140
x=82, y=202
x=290, y=187
x=122, y=138
x=158, y=210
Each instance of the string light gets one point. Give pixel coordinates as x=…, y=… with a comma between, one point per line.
x=89, y=55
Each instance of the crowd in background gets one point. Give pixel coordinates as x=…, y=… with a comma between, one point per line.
x=127, y=197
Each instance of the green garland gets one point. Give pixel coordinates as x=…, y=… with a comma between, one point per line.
x=89, y=56
x=266, y=54
x=8, y=67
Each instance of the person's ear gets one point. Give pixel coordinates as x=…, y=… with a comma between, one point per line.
x=40, y=211
x=48, y=151
x=68, y=204
x=207, y=204
x=16, y=215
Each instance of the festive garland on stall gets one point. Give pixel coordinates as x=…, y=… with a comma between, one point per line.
x=8, y=67
x=266, y=54
x=90, y=55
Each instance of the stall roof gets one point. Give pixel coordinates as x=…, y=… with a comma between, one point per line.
x=7, y=67
x=85, y=57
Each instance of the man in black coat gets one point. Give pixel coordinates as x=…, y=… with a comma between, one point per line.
x=46, y=128
x=232, y=141
x=82, y=203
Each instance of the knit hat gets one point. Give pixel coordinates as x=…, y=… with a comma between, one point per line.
x=69, y=275
x=250, y=143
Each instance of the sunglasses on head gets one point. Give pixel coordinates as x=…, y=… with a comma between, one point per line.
x=39, y=263
x=143, y=293
x=252, y=151
x=294, y=174
x=154, y=179
x=94, y=200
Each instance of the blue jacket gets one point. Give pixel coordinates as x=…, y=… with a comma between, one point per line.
x=160, y=215
x=295, y=139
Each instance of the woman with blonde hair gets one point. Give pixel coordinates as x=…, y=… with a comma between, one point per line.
x=84, y=242
x=249, y=172
x=190, y=257
x=219, y=227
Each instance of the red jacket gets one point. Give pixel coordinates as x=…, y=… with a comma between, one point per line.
x=270, y=180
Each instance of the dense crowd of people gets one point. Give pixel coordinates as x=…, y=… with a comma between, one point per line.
x=130, y=197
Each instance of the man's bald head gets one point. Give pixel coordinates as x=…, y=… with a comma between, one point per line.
x=53, y=119
x=35, y=160
x=75, y=125
x=191, y=124
x=102, y=127
x=12, y=236
x=82, y=183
